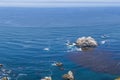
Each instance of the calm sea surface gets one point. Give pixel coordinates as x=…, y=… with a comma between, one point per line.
x=31, y=39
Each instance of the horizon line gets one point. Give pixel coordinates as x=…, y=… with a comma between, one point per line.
x=55, y=4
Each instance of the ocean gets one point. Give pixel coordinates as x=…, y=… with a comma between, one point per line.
x=32, y=39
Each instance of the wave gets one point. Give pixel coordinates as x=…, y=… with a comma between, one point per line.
x=20, y=75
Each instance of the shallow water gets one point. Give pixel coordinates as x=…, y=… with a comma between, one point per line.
x=31, y=39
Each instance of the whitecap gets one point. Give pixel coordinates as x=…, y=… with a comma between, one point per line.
x=74, y=49
x=103, y=42
x=47, y=78
x=46, y=49
x=53, y=64
x=68, y=43
x=78, y=49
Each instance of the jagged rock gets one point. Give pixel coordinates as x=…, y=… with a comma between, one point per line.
x=68, y=76
x=86, y=42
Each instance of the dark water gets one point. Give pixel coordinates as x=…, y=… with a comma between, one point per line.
x=26, y=32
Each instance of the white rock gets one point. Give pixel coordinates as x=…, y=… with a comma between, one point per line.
x=86, y=42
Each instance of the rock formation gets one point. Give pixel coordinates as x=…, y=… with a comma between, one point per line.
x=86, y=42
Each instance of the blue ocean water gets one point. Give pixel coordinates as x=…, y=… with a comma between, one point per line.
x=31, y=39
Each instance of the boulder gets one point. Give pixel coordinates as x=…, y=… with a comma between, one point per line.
x=86, y=42
x=68, y=76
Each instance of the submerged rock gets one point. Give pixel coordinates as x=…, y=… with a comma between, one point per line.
x=59, y=64
x=86, y=42
x=68, y=76
x=1, y=65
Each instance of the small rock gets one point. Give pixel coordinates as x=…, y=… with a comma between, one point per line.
x=68, y=76
x=59, y=64
x=4, y=78
x=1, y=65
